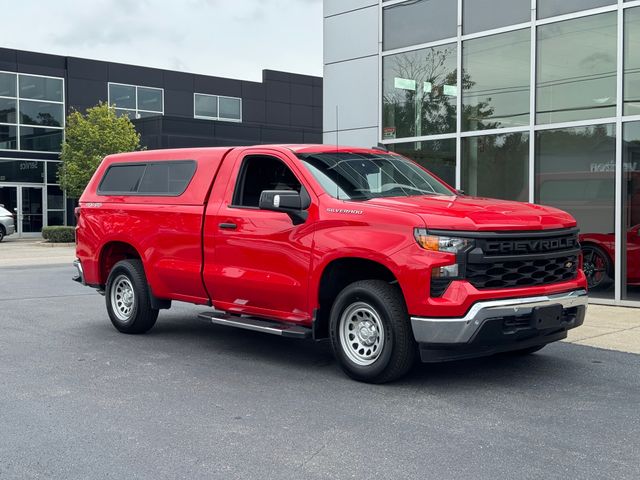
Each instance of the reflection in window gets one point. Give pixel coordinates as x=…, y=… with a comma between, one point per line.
x=577, y=69
x=40, y=88
x=419, y=92
x=41, y=139
x=404, y=23
x=496, y=81
x=631, y=210
x=41, y=113
x=575, y=171
x=496, y=166
x=479, y=15
x=632, y=61
x=214, y=107
x=8, y=110
x=437, y=156
x=55, y=198
x=551, y=8
x=7, y=84
x=8, y=137
x=136, y=102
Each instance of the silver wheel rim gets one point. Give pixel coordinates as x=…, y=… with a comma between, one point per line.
x=361, y=333
x=123, y=298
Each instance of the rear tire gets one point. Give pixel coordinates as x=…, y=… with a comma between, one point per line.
x=128, y=299
x=2, y=233
x=370, y=332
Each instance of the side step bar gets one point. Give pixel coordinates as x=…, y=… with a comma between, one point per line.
x=257, y=324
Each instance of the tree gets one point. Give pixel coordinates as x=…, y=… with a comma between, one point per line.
x=88, y=139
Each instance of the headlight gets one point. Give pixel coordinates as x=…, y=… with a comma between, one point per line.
x=441, y=244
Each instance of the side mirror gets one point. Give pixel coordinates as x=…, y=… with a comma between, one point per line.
x=290, y=202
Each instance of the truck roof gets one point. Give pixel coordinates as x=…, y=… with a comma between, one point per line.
x=183, y=152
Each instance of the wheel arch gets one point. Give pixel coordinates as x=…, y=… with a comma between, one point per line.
x=336, y=275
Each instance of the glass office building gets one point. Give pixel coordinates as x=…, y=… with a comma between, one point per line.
x=528, y=100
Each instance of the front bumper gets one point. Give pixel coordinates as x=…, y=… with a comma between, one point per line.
x=496, y=325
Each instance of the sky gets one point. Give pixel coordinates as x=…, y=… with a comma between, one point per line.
x=227, y=38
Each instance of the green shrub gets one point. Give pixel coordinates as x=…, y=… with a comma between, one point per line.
x=59, y=234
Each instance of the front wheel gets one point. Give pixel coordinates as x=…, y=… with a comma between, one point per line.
x=128, y=299
x=1, y=233
x=370, y=332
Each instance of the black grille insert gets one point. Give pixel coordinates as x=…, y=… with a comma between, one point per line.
x=513, y=260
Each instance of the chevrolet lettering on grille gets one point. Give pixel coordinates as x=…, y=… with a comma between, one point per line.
x=532, y=246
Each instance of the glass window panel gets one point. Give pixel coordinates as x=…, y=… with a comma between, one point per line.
x=437, y=156
x=123, y=96
x=7, y=84
x=41, y=139
x=21, y=171
x=632, y=61
x=121, y=179
x=8, y=137
x=7, y=110
x=55, y=218
x=575, y=172
x=55, y=198
x=496, y=166
x=419, y=92
x=40, y=88
x=479, y=15
x=52, y=171
x=551, y=8
x=126, y=113
x=631, y=210
x=577, y=69
x=167, y=178
x=496, y=81
x=41, y=113
x=418, y=21
x=230, y=108
x=206, y=105
x=150, y=99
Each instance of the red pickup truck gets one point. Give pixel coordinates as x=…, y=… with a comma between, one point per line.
x=360, y=246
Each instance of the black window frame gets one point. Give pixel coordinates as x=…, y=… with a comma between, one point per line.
x=110, y=193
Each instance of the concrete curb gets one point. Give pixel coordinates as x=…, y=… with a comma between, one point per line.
x=50, y=244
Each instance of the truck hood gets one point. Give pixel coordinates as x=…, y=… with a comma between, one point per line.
x=477, y=214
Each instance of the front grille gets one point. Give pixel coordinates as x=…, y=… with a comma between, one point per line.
x=525, y=259
x=522, y=273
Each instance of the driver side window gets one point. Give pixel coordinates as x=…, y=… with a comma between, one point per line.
x=258, y=173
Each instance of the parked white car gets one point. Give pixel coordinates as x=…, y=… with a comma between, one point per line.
x=7, y=223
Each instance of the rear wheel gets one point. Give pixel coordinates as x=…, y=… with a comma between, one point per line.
x=596, y=267
x=370, y=332
x=2, y=233
x=128, y=299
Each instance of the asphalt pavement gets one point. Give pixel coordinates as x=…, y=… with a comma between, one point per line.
x=78, y=400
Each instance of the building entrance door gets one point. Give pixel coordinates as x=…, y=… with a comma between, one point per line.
x=26, y=203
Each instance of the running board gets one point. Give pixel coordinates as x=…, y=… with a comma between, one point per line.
x=257, y=324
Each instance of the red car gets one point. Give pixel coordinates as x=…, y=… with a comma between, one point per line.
x=360, y=246
x=599, y=257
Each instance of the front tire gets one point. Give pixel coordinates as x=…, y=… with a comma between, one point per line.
x=370, y=332
x=597, y=267
x=1, y=233
x=128, y=299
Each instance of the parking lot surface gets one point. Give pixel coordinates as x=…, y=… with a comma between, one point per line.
x=193, y=400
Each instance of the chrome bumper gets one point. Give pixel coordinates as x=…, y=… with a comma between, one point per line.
x=461, y=330
x=79, y=276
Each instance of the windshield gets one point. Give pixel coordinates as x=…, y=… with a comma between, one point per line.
x=361, y=176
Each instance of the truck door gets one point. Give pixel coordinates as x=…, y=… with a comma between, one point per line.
x=257, y=261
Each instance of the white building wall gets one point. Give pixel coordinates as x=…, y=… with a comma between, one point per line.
x=351, y=72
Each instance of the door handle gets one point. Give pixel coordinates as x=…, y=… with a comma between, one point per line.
x=228, y=226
